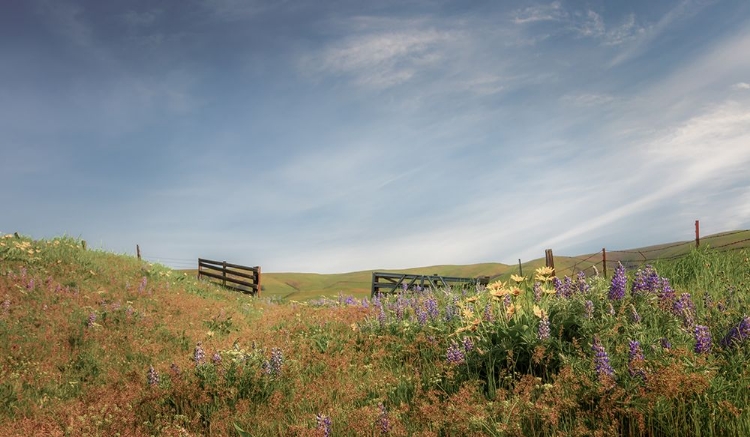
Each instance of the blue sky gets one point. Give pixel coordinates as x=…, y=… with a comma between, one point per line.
x=334, y=136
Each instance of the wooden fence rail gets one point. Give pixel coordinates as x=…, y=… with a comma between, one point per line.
x=236, y=277
x=395, y=281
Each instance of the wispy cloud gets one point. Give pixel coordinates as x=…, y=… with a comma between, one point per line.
x=550, y=12
x=383, y=59
x=741, y=86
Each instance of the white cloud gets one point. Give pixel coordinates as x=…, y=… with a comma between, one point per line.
x=383, y=59
x=587, y=99
x=741, y=86
x=551, y=12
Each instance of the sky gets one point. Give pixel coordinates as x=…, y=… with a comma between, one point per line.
x=337, y=136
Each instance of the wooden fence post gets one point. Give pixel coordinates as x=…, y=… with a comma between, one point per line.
x=549, y=260
x=604, y=261
x=520, y=269
x=224, y=273
x=257, y=281
x=138, y=251
x=697, y=234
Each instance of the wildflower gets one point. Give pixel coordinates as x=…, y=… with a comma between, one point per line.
x=421, y=316
x=324, y=424
x=451, y=310
x=381, y=317
x=544, y=274
x=537, y=291
x=702, y=339
x=432, y=308
x=273, y=366
x=142, y=287
x=365, y=303
x=619, y=281
x=685, y=309
x=581, y=285
x=588, y=308
x=30, y=285
x=636, y=359
x=645, y=281
x=488, y=315
x=543, y=332
x=601, y=360
x=6, y=305
x=383, y=423
x=665, y=343
x=517, y=279
x=198, y=354
x=216, y=358
x=91, y=320
x=610, y=309
x=468, y=344
x=737, y=334
x=153, y=376
x=667, y=293
x=455, y=354
x=175, y=369
x=349, y=301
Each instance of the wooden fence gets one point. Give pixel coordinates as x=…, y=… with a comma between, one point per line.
x=233, y=276
x=397, y=281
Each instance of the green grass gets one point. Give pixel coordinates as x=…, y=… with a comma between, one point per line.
x=93, y=343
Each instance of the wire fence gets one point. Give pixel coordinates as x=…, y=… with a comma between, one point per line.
x=633, y=259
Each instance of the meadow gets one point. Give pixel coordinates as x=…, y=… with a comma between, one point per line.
x=94, y=343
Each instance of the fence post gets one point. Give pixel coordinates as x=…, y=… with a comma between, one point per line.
x=520, y=269
x=604, y=261
x=257, y=280
x=138, y=251
x=224, y=273
x=549, y=260
x=697, y=234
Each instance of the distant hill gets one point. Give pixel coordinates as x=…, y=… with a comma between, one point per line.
x=304, y=286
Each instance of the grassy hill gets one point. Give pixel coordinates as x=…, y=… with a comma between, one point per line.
x=305, y=286
x=93, y=343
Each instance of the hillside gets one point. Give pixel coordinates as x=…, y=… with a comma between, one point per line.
x=304, y=286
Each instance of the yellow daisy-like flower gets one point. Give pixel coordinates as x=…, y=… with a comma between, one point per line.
x=510, y=310
x=517, y=279
x=470, y=327
x=544, y=274
x=539, y=312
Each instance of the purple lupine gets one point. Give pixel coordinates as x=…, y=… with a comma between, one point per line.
x=582, y=286
x=543, y=332
x=618, y=284
x=559, y=287
x=404, y=286
x=588, y=308
x=382, y=317
x=702, y=339
x=685, y=310
x=468, y=344
x=216, y=358
x=142, y=286
x=198, y=354
x=635, y=359
x=6, y=305
x=667, y=292
x=273, y=366
x=488, y=315
x=383, y=422
x=432, y=308
x=365, y=303
x=645, y=281
x=153, y=376
x=507, y=300
x=601, y=360
x=324, y=424
x=634, y=316
x=455, y=354
x=349, y=301
x=30, y=285
x=665, y=343
x=451, y=310
x=91, y=320
x=421, y=316
x=737, y=334
x=537, y=291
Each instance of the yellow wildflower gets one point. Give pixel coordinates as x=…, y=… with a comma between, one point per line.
x=517, y=279
x=539, y=312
